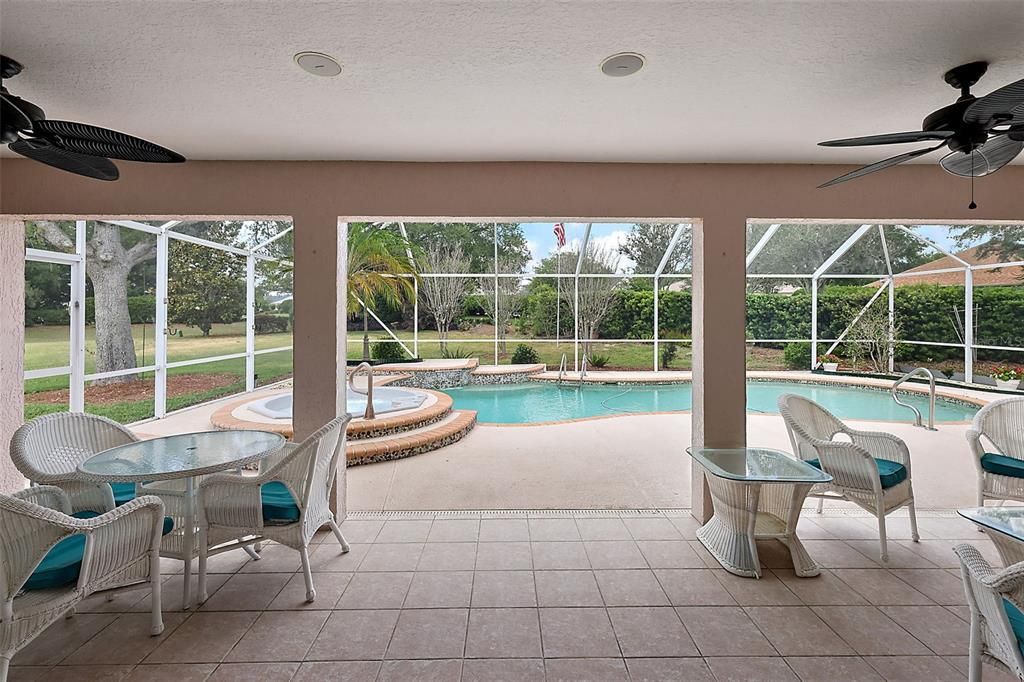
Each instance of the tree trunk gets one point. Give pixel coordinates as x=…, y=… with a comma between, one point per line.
x=366, y=333
x=108, y=272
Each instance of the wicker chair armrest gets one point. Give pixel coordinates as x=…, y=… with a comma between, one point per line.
x=121, y=538
x=232, y=500
x=49, y=496
x=974, y=440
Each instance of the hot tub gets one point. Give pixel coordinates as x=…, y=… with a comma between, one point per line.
x=385, y=399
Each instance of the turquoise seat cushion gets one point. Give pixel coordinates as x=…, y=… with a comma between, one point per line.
x=123, y=492
x=63, y=562
x=1002, y=465
x=890, y=473
x=1016, y=619
x=278, y=504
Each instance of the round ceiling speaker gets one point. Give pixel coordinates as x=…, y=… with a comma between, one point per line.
x=318, y=64
x=622, y=64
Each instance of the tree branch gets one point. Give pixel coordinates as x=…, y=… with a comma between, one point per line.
x=140, y=253
x=51, y=232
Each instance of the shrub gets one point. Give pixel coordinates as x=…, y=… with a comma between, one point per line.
x=387, y=351
x=455, y=353
x=264, y=323
x=524, y=355
x=597, y=360
x=797, y=355
x=668, y=354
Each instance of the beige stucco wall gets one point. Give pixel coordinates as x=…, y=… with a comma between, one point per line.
x=722, y=197
x=12, y=343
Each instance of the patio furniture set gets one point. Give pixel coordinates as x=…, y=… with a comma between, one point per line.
x=105, y=506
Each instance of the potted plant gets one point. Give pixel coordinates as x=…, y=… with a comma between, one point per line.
x=1008, y=378
x=829, y=362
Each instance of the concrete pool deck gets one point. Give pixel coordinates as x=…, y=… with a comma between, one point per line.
x=622, y=462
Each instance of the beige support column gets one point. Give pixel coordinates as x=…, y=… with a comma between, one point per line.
x=719, y=344
x=320, y=317
x=12, y=345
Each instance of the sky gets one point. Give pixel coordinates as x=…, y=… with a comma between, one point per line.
x=540, y=239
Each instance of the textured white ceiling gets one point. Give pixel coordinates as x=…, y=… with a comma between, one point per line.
x=725, y=81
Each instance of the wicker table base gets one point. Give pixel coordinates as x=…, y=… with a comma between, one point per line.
x=750, y=511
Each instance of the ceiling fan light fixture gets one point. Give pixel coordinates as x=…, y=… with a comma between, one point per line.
x=622, y=64
x=318, y=64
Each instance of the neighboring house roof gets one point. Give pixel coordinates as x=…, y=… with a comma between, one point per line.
x=996, y=277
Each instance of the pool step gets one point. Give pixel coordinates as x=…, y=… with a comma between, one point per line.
x=450, y=429
x=403, y=422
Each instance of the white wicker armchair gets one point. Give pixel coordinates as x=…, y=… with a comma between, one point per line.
x=992, y=596
x=854, y=464
x=47, y=451
x=233, y=504
x=1001, y=424
x=121, y=548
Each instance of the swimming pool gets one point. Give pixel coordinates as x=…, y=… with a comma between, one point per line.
x=545, y=402
x=385, y=399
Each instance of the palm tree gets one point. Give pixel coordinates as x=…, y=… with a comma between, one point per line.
x=379, y=269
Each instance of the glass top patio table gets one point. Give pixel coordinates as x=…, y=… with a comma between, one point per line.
x=757, y=465
x=181, y=456
x=1005, y=520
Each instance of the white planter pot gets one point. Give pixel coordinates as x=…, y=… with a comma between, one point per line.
x=830, y=366
x=1008, y=385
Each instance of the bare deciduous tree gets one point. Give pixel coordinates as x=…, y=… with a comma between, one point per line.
x=504, y=301
x=870, y=339
x=596, y=294
x=443, y=296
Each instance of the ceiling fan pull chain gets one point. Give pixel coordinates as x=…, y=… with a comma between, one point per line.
x=972, y=205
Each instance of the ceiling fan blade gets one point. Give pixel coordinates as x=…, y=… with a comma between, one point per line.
x=87, y=139
x=889, y=138
x=80, y=164
x=879, y=165
x=1007, y=100
x=988, y=158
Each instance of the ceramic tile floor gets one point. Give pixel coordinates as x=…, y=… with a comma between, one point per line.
x=548, y=595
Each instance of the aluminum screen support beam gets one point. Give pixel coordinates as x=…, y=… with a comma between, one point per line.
x=250, y=323
x=576, y=299
x=160, y=327
x=761, y=243
x=969, y=326
x=822, y=269
x=892, y=301
x=76, y=387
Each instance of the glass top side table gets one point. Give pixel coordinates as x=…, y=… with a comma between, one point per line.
x=757, y=494
x=1004, y=526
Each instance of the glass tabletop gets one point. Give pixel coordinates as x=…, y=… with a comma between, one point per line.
x=1006, y=520
x=757, y=465
x=181, y=455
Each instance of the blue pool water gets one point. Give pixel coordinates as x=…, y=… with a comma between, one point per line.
x=543, y=402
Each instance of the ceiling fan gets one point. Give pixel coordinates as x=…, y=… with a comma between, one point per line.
x=74, y=147
x=983, y=134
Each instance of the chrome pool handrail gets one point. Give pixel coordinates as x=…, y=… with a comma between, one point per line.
x=918, y=371
x=583, y=369
x=368, y=413
x=561, y=367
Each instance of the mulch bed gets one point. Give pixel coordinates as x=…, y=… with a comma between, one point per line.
x=137, y=389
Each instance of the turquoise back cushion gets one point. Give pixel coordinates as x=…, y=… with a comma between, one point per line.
x=278, y=504
x=63, y=563
x=123, y=492
x=890, y=473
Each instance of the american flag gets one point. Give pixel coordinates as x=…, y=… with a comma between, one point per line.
x=560, y=234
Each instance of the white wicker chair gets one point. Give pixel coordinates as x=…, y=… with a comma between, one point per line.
x=232, y=504
x=993, y=640
x=121, y=548
x=1001, y=423
x=855, y=475
x=47, y=451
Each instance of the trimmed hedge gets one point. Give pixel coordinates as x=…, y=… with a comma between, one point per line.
x=925, y=313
